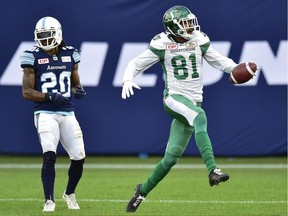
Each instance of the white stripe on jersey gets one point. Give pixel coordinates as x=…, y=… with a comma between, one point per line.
x=27, y=58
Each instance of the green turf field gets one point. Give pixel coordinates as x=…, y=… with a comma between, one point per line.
x=257, y=186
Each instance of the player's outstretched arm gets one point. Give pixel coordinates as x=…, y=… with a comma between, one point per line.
x=136, y=66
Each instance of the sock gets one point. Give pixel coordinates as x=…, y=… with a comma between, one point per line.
x=159, y=172
x=180, y=135
x=204, y=145
x=74, y=175
x=48, y=174
x=203, y=142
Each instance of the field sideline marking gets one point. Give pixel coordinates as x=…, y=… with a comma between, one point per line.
x=145, y=166
x=156, y=201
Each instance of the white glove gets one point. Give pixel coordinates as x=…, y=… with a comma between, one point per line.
x=127, y=88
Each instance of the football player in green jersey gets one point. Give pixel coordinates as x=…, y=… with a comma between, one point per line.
x=180, y=50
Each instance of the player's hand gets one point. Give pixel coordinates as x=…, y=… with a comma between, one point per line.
x=127, y=89
x=79, y=92
x=57, y=98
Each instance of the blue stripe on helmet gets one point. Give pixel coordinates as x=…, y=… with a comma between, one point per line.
x=43, y=22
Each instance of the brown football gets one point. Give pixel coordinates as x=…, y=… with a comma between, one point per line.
x=243, y=72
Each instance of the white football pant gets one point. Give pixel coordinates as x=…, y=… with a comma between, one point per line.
x=53, y=128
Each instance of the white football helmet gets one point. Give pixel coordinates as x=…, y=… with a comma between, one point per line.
x=48, y=33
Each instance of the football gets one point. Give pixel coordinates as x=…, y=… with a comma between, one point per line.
x=243, y=72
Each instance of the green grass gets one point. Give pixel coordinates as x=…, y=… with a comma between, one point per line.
x=185, y=191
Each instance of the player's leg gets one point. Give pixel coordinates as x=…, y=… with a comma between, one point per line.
x=72, y=140
x=180, y=134
x=179, y=137
x=48, y=132
x=205, y=147
x=203, y=141
x=186, y=111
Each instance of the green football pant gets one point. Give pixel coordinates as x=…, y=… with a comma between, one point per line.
x=180, y=134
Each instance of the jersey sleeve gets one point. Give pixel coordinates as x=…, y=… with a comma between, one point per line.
x=27, y=59
x=139, y=64
x=213, y=57
x=76, y=56
x=218, y=61
x=159, y=42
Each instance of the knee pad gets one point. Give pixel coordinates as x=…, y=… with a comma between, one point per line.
x=169, y=161
x=49, y=158
x=175, y=151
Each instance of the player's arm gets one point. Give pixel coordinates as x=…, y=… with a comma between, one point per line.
x=212, y=56
x=75, y=79
x=139, y=64
x=76, y=87
x=219, y=61
x=136, y=66
x=28, y=84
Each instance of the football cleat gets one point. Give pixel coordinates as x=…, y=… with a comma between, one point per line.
x=216, y=176
x=49, y=206
x=136, y=200
x=71, y=201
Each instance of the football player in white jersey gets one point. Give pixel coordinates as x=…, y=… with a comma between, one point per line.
x=50, y=79
x=180, y=51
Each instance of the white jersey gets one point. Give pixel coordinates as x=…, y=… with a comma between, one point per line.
x=181, y=63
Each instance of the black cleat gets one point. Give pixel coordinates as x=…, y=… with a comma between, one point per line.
x=136, y=200
x=216, y=176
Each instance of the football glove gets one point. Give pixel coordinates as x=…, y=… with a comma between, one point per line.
x=57, y=98
x=80, y=92
x=127, y=89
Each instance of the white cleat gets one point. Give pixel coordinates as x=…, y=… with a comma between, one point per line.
x=49, y=206
x=71, y=201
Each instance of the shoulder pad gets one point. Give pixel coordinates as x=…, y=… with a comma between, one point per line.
x=160, y=41
x=69, y=48
x=27, y=58
x=34, y=49
x=72, y=51
x=200, y=37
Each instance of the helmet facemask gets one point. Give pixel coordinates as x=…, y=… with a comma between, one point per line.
x=187, y=26
x=179, y=21
x=48, y=33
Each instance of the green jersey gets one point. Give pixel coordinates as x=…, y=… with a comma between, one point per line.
x=181, y=63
